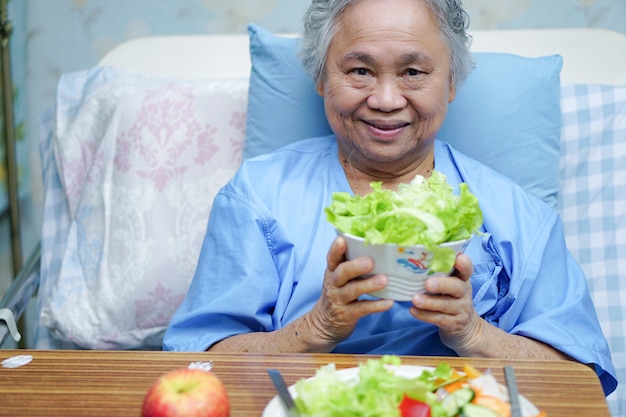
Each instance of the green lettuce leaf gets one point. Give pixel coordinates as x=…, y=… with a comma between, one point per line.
x=425, y=212
x=377, y=391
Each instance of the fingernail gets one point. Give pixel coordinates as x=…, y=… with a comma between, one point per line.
x=431, y=285
x=381, y=281
x=418, y=299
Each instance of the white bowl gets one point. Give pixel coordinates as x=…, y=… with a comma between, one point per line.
x=406, y=267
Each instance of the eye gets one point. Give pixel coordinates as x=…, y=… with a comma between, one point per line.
x=361, y=71
x=412, y=72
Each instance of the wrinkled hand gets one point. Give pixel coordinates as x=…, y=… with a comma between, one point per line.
x=336, y=313
x=448, y=305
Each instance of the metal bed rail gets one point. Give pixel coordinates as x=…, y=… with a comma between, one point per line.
x=17, y=297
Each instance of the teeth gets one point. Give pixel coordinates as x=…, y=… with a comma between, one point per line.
x=387, y=127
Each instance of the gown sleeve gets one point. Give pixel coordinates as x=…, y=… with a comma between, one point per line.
x=540, y=289
x=550, y=301
x=235, y=286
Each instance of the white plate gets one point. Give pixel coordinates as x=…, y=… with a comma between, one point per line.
x=275, y=407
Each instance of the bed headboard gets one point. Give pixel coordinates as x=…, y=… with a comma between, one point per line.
x=589, y=55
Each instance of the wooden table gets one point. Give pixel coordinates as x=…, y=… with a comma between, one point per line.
x=113, y=383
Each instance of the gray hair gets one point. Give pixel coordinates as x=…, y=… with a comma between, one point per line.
x=320, y=25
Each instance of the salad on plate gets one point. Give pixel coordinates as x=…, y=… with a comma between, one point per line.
x=379, y=388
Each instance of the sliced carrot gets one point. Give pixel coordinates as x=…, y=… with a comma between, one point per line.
x=455, y=374
x=503, y=408
x=455, y=385
x=471, y=372
x=542, y=414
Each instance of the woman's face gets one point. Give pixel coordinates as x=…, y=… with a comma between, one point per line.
x=386, y=85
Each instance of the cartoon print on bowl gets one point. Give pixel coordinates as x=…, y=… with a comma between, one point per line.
x=412, y=264
x=406, y=267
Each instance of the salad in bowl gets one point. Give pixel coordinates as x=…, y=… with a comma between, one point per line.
x=410, y=234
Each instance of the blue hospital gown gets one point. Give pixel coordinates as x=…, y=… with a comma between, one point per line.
x=264, y=254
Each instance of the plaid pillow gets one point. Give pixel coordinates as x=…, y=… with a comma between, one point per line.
x=592, y=203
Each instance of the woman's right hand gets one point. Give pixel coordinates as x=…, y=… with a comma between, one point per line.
x=334, y=316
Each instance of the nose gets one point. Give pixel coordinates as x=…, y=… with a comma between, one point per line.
x=386, y=96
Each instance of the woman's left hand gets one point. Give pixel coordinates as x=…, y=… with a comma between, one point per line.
x=448, y=305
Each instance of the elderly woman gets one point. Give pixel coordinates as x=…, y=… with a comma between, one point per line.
x=272, y=274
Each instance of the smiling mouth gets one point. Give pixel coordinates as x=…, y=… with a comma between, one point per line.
x=387, y=126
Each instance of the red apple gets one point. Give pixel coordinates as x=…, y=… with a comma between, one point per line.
x=186, y=392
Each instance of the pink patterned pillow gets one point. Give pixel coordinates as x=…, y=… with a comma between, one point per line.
x=140, y=159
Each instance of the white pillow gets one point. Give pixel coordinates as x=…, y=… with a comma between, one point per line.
x=140, y=159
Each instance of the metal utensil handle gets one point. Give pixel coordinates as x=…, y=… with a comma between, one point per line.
x=283, y=391
x=511, y=382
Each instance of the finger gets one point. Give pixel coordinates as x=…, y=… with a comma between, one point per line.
x=366, y=307
x=442, y=311
x=452, y=286
x=445, y=322
x=357, y=287
x=347, y=271
x=438, y=304
x=432, y=317
x=463, y=267
x=336, y=253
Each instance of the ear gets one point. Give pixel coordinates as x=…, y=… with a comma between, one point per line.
x=319, y=87
x=452, y=92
